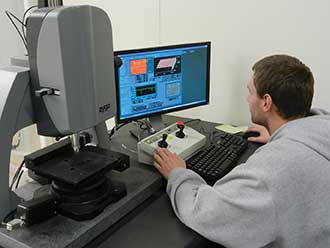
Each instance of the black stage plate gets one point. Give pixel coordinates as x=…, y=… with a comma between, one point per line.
x=76, y=167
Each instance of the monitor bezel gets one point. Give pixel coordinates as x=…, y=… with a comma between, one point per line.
x=149, y=49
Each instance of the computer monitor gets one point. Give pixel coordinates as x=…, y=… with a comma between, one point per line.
x=154, y=81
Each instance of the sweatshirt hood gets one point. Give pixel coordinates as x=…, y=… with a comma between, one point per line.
x=312, y=131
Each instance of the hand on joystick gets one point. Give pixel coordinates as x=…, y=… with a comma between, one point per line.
x=163, y=143
x=180, y=134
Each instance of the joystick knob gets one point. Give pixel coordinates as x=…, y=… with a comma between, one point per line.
x=163, y=143
x=180, y=134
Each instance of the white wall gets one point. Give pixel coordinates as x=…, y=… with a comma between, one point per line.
x=244, y=31
x=241, y=31
x=134, y=23
x=10, y=43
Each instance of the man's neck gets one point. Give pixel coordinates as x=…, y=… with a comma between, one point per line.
x=274, y=123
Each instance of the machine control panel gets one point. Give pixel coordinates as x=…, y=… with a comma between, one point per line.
x=177, y=138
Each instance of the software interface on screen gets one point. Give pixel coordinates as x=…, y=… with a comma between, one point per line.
x=162, y=80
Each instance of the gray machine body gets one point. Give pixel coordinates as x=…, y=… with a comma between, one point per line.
x=70, y=50
x=71, y=53
x=15, y=113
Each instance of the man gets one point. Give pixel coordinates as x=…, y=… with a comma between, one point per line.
x=281, y=196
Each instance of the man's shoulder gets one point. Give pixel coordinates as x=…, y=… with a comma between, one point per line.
x=276, y=153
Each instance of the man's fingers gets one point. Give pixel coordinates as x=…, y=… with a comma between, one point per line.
x=257, y=139
x=167, y=152
x=252, y=139
x=162, y=152
x=158, y=167
x=157, y=158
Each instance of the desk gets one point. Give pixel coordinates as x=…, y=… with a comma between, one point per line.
x=153, y=223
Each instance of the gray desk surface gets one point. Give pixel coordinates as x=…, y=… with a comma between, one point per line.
x=154, y=224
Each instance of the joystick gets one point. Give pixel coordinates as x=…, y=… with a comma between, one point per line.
x=180, y=134
x=163, y=143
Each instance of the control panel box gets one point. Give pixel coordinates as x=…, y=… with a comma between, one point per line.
x=184, y=141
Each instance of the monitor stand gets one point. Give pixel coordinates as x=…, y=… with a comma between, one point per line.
x=147, y=126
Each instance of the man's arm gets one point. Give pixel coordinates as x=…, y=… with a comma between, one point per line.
x=237, y=211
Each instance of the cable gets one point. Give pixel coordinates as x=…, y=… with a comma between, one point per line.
x=142, y=124
x=16, y=18
x=19, y=178
x=17, y=173
x=115, y=128
x=12, y=22
x=24, y=21
x=186, y=122
x=8, y=217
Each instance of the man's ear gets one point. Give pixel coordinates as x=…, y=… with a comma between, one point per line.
x=268, y=102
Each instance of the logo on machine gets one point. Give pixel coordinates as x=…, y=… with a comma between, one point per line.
x=104, y=108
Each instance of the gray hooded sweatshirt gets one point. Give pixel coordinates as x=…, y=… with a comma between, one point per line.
x=279, y=198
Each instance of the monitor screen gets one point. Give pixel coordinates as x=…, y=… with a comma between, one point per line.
x=159, y=80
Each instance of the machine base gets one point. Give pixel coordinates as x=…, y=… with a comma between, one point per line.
x=61, y=231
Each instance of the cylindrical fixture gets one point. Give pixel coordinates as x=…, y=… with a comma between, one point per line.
x=76, y=142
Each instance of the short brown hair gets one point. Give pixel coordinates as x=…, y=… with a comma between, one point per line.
x=288, y=81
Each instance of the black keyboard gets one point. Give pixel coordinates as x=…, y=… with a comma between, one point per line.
x=217, y=159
